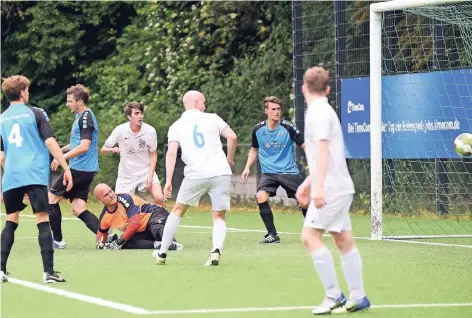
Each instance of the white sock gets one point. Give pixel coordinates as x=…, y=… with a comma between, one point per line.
x=324, y=265
x=219, y=234
x=172, y=224
x=352, y=268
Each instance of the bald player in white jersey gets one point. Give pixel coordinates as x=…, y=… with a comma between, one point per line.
x=331, y=189
x=208, y=170
x=137, y=147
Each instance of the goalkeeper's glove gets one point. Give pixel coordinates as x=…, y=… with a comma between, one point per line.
x=116, y=244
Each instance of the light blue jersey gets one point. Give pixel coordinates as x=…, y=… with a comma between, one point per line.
x=275, y=147
x=23, y=131
x=85, y=127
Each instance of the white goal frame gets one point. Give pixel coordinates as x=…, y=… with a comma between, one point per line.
x=375, y=52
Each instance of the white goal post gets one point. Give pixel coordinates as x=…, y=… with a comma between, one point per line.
x=376, y=14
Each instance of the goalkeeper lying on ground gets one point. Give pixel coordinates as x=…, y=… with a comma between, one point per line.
x=141, y=222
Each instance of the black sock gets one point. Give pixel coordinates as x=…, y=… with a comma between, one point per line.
x=8, y=237
x=45, y=243
x=90, y=220
x=55, y=219
x=304, y=212
x=267, y=217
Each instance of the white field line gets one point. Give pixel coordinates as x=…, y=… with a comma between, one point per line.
x=232, y=310
x=297, y=233
x=142, y=311
x=80, y=297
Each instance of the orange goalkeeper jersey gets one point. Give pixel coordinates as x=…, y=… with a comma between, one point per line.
x=128, y=207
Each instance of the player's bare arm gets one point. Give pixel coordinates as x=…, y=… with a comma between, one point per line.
x=82, y=148
x=321, y=168
x=2, y=159
x=232, y=142
x=251, y=158
x=303, y=192
x=171, y=158
x=66, y=148
x=152, y=168
x=56, y=152
x=109, y=150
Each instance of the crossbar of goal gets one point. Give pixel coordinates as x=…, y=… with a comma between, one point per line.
x=376, y=11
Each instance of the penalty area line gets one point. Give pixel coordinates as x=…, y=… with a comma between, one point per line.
x=80, y=297
x=292, y=308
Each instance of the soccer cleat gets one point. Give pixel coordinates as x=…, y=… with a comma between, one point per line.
x=270, y=238
x=353, y=306
x=59, y=245
x=174, y=246
x=3, y=277
x=160, y=258
x=53, y=278
x=214, y=258
x=329, y=304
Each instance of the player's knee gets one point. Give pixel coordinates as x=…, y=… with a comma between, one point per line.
x=13, y=217
x=53, y=199
x=159, y=198
x=262, y=197
x=311, y=239
x=345, y=244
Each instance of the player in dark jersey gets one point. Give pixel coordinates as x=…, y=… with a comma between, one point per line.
x=273, y=140
x=141, y=222
x=25, y=137
x=82, y=153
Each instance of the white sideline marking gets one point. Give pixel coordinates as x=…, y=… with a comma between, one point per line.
x=231, y=310
x=142, y=311
x=428, y=243
x=230, y=229
x=81, y=297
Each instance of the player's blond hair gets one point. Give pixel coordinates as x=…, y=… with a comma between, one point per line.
x=316, y=79
x=271, y=99
x=79, y=92
x=13, y=85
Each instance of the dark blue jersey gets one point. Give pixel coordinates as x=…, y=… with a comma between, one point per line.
x=275, y=147
x=85, y=127
x=23, y=130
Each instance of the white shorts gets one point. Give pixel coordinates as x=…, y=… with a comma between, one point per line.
x=218, y=189
x=129, y=185
x=333, y=217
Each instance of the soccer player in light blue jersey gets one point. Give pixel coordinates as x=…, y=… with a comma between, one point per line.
x=272, y=141
x=82, y=153
x=26, y=140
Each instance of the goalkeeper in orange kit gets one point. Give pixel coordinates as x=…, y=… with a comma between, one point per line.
x=141, y=222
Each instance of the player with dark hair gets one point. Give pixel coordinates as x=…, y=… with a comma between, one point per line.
x=141, y=222
x=25, y=137
x=137, y=147
x=272, y=141
x=82, y=153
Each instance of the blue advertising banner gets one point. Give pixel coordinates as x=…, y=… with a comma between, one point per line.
x=422, y=114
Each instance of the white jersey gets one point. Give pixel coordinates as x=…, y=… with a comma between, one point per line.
x=134, y=149
x=322, y=123
x=198, y=135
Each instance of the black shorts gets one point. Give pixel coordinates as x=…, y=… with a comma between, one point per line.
x=271, y=182
x=80, y=189
x=37, y=195
x=157, y=222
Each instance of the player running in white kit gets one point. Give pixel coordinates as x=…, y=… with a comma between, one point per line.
x=331, y=189
x=137, y=147
x=208, y=170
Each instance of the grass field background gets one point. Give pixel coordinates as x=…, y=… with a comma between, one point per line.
x=250, y=275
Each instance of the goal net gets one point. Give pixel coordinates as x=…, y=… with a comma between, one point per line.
x=420, y=101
